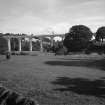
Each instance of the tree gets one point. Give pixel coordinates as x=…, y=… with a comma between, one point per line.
x=100, y=34
x=14, y=44
x=78, y=37
x=3, y=45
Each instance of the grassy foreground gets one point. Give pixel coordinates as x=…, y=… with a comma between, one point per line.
x=56, y=80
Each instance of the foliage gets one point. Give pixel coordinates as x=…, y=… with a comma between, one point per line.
x=94, y=46
x=14, y=44
x=36, y=46
x=46, y=39
x=3, y=45
x=77, y=38
x=57, y=46
x=25, y=46
x=100, y=34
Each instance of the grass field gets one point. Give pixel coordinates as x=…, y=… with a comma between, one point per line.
x=56, y=80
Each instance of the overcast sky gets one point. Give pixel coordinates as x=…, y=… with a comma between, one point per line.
x=43, y=16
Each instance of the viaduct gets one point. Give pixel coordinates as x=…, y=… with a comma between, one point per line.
x=40, y=37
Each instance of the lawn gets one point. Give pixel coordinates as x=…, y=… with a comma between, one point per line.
x=56, y=80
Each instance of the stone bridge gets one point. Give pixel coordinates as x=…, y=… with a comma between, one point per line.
x=39, y=37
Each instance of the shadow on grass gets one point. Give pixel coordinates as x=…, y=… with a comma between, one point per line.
x=79, y=62
x=81, y=86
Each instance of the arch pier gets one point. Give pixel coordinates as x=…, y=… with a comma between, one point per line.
x=20, y=45
x=9, y=44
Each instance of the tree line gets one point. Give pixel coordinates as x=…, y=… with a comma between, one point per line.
x=79, y=39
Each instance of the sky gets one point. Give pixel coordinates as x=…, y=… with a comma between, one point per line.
x=50, y=16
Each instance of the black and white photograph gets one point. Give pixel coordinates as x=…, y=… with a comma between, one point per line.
x=52, y=52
